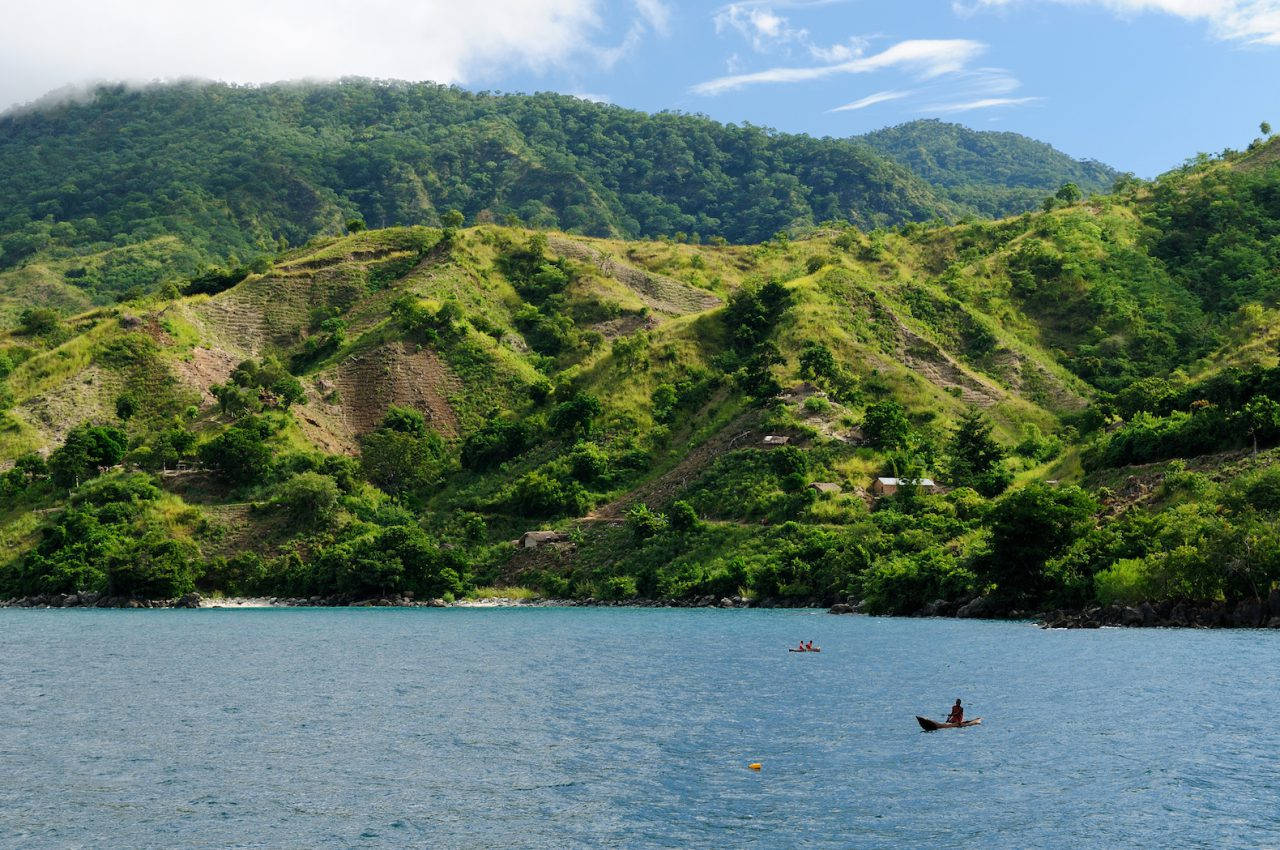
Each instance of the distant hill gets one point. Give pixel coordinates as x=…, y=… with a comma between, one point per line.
x=233, y=170
x=176, y=176
x=995, y=174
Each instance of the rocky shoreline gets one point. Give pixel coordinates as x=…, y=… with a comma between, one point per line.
x=1248, y=614
x=1242, y=614
x=196, y=600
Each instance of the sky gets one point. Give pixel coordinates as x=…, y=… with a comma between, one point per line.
x=1139, y=84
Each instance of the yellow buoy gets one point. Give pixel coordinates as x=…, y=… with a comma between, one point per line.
x=755, y=765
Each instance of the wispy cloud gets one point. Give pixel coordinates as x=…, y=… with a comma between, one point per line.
x=924, y=58
x=1254, y=21
x=871, y=100
x=962, y=91
x=981, y=103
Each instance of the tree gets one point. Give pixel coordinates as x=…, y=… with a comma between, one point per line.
x=355, y=225
x=573, y=418
x=1069, y=193
x=496, y=442
x=1265, y=127
x=975, y=459
x=816, y=360
x=1028, y=527
x=1261, y=418
x=885, y=425
x=403, y=461
x=452, y=219
x=238, y=455
x=87, y=450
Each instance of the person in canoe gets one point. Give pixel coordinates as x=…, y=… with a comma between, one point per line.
x=957, y=713
x=800, y=647
x=808, y=647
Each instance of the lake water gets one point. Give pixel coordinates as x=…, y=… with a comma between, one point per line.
x=626, y=728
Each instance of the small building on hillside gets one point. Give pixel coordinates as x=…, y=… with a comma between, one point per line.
x=828, y=487
x=534, y=539
x=774, y=440
x=889, y=486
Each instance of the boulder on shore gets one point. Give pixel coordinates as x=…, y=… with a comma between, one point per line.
x=840, y=608
x=984, y=607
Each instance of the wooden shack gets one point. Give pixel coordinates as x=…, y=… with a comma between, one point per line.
x=535, y=539
x=889, y=486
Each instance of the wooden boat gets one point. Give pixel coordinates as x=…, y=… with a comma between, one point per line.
x=815, y=649
x=932, y=725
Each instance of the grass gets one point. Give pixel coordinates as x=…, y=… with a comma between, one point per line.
x=512, y=593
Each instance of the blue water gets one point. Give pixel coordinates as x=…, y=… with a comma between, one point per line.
x=626, y=728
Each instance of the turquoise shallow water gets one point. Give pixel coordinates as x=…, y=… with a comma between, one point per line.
x=626, y=728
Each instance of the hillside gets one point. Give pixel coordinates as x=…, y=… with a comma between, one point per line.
x=385, y=411
x=995, y=174
x=153, y=183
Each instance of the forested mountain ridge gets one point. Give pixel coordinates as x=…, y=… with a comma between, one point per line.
x=235, y=169
x=1095, y=385
x=994, y=173
x=173, y=177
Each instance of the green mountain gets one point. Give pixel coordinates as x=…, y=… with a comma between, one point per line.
x=1095, y=386
x=994, y=174
x=157, y=182
x=235, y=170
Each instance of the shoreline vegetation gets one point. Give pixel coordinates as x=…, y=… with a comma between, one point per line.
x=1248, y=614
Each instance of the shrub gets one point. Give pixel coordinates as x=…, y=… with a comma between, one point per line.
x=308, y=498
x=619, y=588
x=905, y=584
x=682, y=517
x=816, y=404
x=1126, y=582
x=498, y=441
x=38, y=321
x=588, y=463
x=539, y=495
x=645, y=523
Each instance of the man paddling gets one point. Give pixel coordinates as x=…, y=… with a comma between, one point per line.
x=957, y=713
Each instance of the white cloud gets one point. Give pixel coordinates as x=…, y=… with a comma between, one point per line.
x=962, y=91
x=592, y=98
x=925, y=58
x=981, y=103
x=759, y=24
x=1256, y=21
x=871, y=100
x=656, y=14
x=44, y=45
